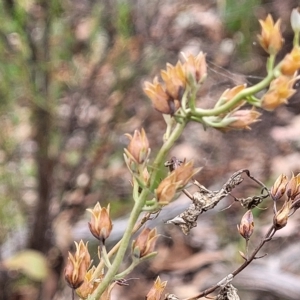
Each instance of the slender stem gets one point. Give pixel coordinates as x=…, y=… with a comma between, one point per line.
x=134, y=263
x=105, y=256
x=296, y=39
x=240, y=96
x=137, y=208
x=266, y=239
x=164, y=150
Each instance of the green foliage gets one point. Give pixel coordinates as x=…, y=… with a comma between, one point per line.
x=124, y=23
x=31, y=263
x=237, y=19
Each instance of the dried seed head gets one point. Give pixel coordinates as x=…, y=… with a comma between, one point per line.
x=247, y=225
x=77, y=265
x=231, y=93
x=278, y=188
x=178, y=178
x=291, y=62
x=157, y=289
x=242, y=119
x=270, y=38
x=281, y=217
x=89, y=284
x=293, y=187
x=166, y=190
x=145, y=243
x=185, y=172
x=161, y=100
x=175, y=80
x=101, y=224
x=138, y=148
x=281, y=89
x=195, y=68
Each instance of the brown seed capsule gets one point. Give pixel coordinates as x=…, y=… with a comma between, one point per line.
x=145, y=242
x=157, y=289
x=242, y=119
x=77, y=266
x=247, y=225
x=101, y=224
x=281, y=217
x=278, y=188
x=293, y=187
x=138, y=147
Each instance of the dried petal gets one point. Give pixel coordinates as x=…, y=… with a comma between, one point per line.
x=271, y=38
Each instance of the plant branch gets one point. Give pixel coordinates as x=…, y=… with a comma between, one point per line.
x=266, y=239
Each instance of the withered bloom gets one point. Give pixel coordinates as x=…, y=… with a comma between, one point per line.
x=101, y=224
x=138, y=148
x=157, y=289
x=231, y=93
x=278, y=188
x=195, y=68
x=166, y=190
x=242, y=119
x=161, y=100
x=271, y=38
x=89, y=284
x=178, y=178
x=174, y=79
x=291, y=62
x=247, y=225
x=281, y=89
x=281, y=217
x=293, y=187
x=145, y=242
x=185, y=172
x=77, y=266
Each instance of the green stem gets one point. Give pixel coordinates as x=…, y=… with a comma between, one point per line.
x=296, y=39
x=134, y=263
x=105, y=256
x=137, y=208
x=240, y=96
x=164, y=150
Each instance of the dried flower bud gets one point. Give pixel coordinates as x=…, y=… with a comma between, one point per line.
x=281, y=89
x=161, y=100
x=157, y=289
x=247, y=225
x=145, y=243
x=174, y=79
x=138, y=148
x=278, y=188
x=89, y=284
x=100, y=225
x=77, y=266
x=293, y=187
x=185, y=172
x=242, y=119
x=291, y=62
x=270, y=39
x=281, y=217
x=195, y=68
x=230, y=94
x=295, y=20
x=166, y=190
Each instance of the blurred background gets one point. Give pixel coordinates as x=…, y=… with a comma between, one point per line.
x=71, y=78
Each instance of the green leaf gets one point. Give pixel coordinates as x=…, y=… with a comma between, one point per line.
x=32, y=264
